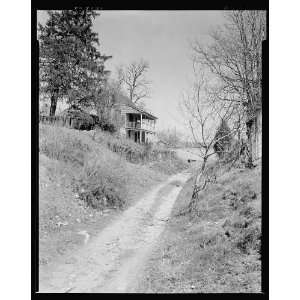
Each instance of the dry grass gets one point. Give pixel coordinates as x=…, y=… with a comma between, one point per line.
x=212, y=244
x=131, y=151
x=79, y=179
x=170, y=165
x=99, y=177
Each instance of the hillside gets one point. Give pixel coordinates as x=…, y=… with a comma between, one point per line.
x=211, y=243
x=83, y=185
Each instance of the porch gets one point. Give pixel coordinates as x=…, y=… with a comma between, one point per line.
x=139, y=121
x=139, y=135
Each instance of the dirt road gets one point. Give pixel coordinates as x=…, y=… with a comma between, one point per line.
x=111, y=262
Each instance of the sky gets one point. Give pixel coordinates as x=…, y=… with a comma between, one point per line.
x=163, y=39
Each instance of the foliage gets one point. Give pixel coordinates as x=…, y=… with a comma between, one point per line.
x=70, y=63
x=223, y=139
x=105, y=102
x=107, y=126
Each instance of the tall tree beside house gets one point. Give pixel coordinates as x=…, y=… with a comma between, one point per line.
x=234, y=57
x=70, y=63
x=107, y=97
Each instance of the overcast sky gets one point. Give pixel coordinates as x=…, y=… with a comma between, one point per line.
x=162, y=38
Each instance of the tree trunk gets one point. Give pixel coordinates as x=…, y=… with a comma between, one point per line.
x=249, y=163
x=53, y=105
x=204, y=163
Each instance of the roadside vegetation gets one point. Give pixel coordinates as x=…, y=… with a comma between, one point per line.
x=213, y=240
x=82, y=179
x=131, y=151
x=211, y=243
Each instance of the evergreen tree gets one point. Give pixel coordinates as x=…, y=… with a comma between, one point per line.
x=70, y=64
x=222, y=139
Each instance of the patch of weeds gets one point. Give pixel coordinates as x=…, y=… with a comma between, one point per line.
x=237, y=200
x=249, y=212
x=211, y=240
x=249, y=239
x=99, y=186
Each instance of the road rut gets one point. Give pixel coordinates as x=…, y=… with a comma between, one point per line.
x=112, y=261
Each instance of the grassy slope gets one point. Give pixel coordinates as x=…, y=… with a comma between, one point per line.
x=77, y=175
x=212, y=244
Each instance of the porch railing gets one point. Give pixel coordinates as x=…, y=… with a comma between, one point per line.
x=137, y=125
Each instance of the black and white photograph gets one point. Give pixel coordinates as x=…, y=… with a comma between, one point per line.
x=152, y=138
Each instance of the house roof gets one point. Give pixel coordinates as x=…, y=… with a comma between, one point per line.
x=123, y=100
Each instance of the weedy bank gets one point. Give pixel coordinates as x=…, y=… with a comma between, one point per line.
x=212, y=243
x=83, y=184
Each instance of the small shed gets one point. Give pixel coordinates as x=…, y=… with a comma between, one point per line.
x=78, y=118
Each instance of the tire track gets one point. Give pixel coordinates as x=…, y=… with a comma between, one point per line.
x=112, y=261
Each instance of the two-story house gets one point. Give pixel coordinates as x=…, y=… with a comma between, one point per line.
x=131, y=121
x=136, y=123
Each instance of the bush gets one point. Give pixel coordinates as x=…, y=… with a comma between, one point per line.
x=105, y=125
x=99, y=186
x=249, y=240
x=223, y=139
x=108, y=127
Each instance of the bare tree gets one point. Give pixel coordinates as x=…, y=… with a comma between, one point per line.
x=234, y=57
x=133, y=78
x=203, y=115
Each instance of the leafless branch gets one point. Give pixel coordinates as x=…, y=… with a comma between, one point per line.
x=134, y=80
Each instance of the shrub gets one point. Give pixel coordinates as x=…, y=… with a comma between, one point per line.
x=249, y=239
x=109, y=127
x=99, y=187
x=106, y=125
x=223, y=139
